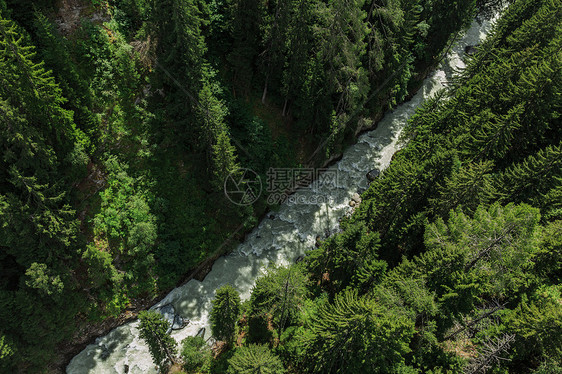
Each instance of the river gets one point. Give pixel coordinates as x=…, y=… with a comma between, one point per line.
x=280, y=238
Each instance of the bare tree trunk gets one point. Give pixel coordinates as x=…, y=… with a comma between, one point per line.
x=264, y=90
x=476, y=320
x=491, y=352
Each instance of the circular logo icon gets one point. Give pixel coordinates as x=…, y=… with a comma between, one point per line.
x=243, y=186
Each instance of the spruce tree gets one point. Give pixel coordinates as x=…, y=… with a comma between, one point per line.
x=154, y=331
x=255, y=359
x=221, y=154
x=225, y=313
x=357, y=335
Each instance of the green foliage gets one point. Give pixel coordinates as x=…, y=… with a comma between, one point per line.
x=255, y=359
x=126, y=228
x=196, y=354
x=225, y=313
x=356, y=334
x=537, y=325
x=280, y=293
x=39, y=277
x=221, y=154
x=350, y=259
x=38, y=228
x=548, y=259
x=549, y=367
x=6, y=352
x=153, y=330
x=149, y=104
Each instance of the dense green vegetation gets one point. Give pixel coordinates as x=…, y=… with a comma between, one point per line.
x=451, y=263
x=118, y=127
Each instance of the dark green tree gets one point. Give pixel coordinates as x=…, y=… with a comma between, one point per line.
x=221, y=154
x=356, y=334
x=154, y=331
x=281, y=294
x=225, y=313
x=349, y=259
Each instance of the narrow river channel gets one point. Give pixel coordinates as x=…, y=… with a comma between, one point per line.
x=280, y=238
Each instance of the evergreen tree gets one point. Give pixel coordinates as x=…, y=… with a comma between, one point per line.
x=349, y=259
x=154, y=331
x=220, y=152
x=247, y=17
x=225, y=313
x=255, y=359
x=38, y=229
x=196, y=354
x=280, y=293
x=356, y=335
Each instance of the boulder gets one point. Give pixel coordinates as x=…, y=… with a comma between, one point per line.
x=168, y=312
x=470, y=49
x=105, y=352
x=356, y=197
x=179, y=322
x=201, y=332
x=373, y=174
x=352, y=204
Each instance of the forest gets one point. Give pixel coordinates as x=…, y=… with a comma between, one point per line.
x=120, y=120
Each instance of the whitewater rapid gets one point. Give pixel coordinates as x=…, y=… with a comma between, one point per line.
x=279, y=239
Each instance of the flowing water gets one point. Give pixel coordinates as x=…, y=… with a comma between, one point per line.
x=278, y=239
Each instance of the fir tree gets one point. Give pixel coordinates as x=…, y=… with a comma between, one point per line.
x=154, y=331
x=225, y=313
x=254, y=359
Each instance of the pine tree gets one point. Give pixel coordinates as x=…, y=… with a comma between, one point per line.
x=154, y=331
x=38, y=229
x=343, y=31
x=224, y=313
x=221, y=154
x=349, y=259
x=531, y=179
x=280, y=293
x=469, y=187
x=356, y=335
x=298, y=72
x=247, y=18
x=488, y=254
x=255, y=359
x=275, y=35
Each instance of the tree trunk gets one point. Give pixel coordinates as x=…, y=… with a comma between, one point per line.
x=264, y=90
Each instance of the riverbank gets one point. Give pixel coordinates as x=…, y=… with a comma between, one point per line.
x=202, y=270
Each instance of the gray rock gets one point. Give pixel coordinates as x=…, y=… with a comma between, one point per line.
x=470, y=49
x=373, y=174
x=104, y=354
x=179, y=322
x=168, y=312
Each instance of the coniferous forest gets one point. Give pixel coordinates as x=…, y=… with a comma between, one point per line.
x=121, y=119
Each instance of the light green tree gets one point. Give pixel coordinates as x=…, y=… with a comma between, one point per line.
x=255, y=359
